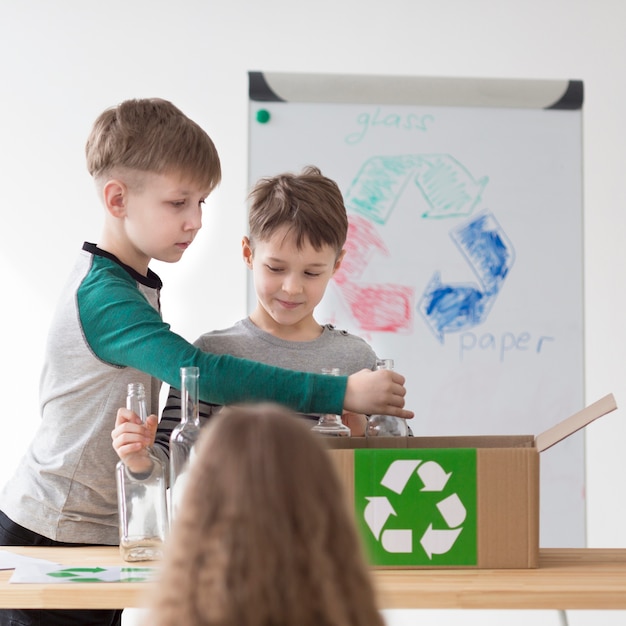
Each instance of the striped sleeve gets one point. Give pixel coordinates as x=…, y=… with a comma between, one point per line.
x=170, y=418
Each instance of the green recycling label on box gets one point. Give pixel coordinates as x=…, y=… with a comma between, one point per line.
x=417, y=506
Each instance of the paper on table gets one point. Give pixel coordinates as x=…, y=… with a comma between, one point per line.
x=10, y=560
x=55, y=574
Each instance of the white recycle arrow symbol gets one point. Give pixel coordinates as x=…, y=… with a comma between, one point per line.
x=398, y=474
x=377, y=511
x=398, y=540
x=438, y=541
x=433, y=476
x=435, y=541
x=452, y=510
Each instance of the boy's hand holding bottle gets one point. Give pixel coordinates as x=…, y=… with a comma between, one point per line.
x=132, y=438
x=380, y=391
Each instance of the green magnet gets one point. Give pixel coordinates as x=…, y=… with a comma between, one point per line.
x=263, y=116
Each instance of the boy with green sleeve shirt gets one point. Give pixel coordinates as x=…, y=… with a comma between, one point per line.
x=153, y=168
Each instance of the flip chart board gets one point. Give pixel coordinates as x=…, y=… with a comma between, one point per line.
x=465, y=253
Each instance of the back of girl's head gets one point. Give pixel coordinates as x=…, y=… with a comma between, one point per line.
x=309, y=204
x=151, y=135
x=264, y=536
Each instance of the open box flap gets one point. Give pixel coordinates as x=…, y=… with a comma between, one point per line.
x=575, y=422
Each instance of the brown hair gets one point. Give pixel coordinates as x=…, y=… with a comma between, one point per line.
x=151, y=135
x=264, y=536
x=311, y=205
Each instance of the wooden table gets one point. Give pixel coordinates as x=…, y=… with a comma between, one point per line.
x=565, y=579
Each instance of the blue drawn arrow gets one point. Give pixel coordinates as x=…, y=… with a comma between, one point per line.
x=451, y=307
x=487, y=249
x=455, y=307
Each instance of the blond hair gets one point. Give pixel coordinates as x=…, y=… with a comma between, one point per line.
x=309, y=204
x=264, y=536
x=151, y=135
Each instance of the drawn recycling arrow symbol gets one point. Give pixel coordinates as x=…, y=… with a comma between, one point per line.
x=400, y=540
x=450, y=192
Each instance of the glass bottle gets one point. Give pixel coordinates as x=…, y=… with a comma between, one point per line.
x=328, y=424
x=141, y=495
x=184, y=436
x=386, y=425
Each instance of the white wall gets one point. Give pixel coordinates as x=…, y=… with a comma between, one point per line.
x=64, y=61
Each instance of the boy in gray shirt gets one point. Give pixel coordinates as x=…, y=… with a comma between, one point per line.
x=297, y=228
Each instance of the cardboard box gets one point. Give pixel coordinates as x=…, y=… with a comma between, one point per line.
x=467, y=501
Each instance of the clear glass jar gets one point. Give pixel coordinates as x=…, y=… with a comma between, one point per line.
x=141, y=495
x=386, y=425
x=184, y=436
x=330, y=425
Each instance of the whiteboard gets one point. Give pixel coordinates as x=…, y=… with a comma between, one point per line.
x=465, y=253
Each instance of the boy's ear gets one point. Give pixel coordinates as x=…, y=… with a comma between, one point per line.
x=339, y=260
x=246, y=251
x=114, y=194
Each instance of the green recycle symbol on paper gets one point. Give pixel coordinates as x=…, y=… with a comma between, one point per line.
x=103, y=574
x=417, y=511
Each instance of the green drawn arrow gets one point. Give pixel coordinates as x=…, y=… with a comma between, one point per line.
x=75, y=571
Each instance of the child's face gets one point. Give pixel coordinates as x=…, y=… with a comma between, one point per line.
x=289, y=283
x=162, y=216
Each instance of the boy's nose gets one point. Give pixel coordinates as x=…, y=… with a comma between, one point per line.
x=194, y=219
x=292, y=285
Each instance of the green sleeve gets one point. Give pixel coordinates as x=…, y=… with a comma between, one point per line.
x=123, y=329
